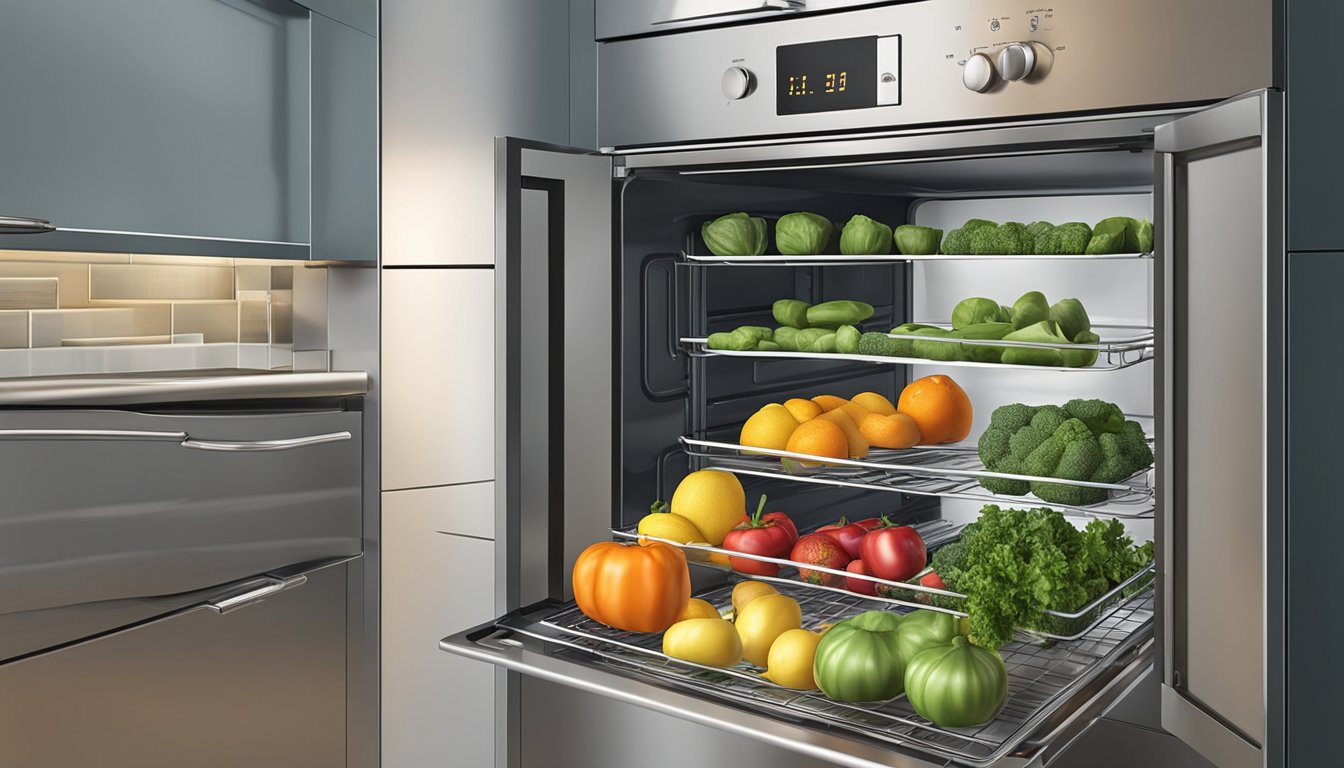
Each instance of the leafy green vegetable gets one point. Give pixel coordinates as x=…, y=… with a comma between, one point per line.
x=791, y=312
x=863, y=236
x=976, y=310
x=912, y=240
x=1069, y=239
x=847, y=340
x=1071, y=317
x=735, y=234
x=1044, y=332
x=802, y=234
x=1029, y=309
x=984, y=353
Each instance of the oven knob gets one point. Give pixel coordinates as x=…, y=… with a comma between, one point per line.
x=1017, y=61
x=978, y=73
x=737, y=83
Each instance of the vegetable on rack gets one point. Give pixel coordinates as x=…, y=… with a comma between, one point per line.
x=712, y=642
x=983, y=353
x=660, y=522
x=803, y=234
x=744, y=338
x=761, y=621
x=714, y=501
x=863, y=236
x=770, y=427
x=771, y=535
x=791, y=658
x=819, y=549
x=1029, y=309
x=974, y=311
x=860, y=586
x=1071, y=317
x=1043, y=332
x=791, y=313
x=698, y=609
x=895, y=553
x=880, y=345
x=746, y=591
x=913, y=240
x=957, y=685
x=848, y=535
x=787, y=338
x=833, y=314
x=921, y=630
x=823, y=344
x=735, y=234
x=1069, y=239
x=847, y=340
x=935, y=350
x=858, y=660
x=805, y=338
x=958, y=241
x=639, y=587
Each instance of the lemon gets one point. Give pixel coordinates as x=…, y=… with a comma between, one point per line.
x=712, y=642
x=698, y=609
x=713, y=501
x=802, y=410
x=764, y=619
x=666, y=525
x=769, y=427
x=790, y=659
x=746, y=591
x=874, y=403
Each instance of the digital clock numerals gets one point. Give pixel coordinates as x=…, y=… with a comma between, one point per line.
x=834, y=82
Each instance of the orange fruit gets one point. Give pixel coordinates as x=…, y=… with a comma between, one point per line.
x=858, y=446
x=829, y=402
x=874, y=402
x=819, y=437
x=802, y=410
x=769, y=427
x=896, y=430
x=940, y=408
x=856, y=412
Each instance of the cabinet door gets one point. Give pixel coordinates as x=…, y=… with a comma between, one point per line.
x=1220, y=426
x=1315, y=112
x=345, y=142
x=177, y=117
x=360, y=14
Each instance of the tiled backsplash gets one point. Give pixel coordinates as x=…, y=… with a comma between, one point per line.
x=92, y=312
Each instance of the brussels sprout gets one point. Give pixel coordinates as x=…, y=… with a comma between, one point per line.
x=791, y=312
x=769, y=346
x=912, y=240
x=1044, y=332
x=735, y=234
x=863, y=236
x=1070, y=316
x=756, y=332
x=786, y=337
x=976, y=310
x=1030, y=308
x=847, y=340
x=824, y=344
x=802, y=234
x=806, y=338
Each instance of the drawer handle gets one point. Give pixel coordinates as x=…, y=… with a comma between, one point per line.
x=288, y=444
x=692, y=10
x=90, y=434
x=273, y=586
x=24, y=225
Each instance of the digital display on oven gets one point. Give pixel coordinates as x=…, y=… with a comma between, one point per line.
x=826, y=76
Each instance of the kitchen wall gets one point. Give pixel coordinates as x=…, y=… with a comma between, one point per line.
x=454, y=76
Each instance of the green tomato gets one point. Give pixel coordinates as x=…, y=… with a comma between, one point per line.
x=925, y=629
x=957, y=685
x=857, y=659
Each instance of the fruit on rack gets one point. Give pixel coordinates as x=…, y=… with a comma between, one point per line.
x=713, y=501
x=803, y=410
x=663, y=524
x=857, y=445
x=770, y=427
x=860, y=586
x=874, y=403
x=771, y=535
x=698, y=609
x=790, y=660
x=897, y=430
x=717, y=558
x=762, y=620
x=848, y=535
x=856, y=412
x=746, y=591
x=712, y=642
x=819, y=549
x=921, y=630
x=639, y=587
x=858, y=661
x=895, y=553
x=957, y=685
x=819, y=437
x=940, y=409
x=829, y=402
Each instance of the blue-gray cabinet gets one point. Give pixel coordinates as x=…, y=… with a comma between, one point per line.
x=188, y=127
x=1315, y=112
x=360, y=14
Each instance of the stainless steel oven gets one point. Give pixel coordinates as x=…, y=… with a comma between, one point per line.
x=930, y=113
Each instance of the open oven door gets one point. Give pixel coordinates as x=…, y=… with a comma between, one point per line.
x=1221, y=501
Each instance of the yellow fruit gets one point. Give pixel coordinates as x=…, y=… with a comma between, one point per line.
x=769, y=427
x=698, y=609
x=802, y=410
x=829, y=402
x=713, y=501
x=790, y=659
x=857, y=413
x=666, y=525
x=858, y=446
x=764, y=619
x=875, y=403
x=746, y=591
x=895, y=431
x=819, y=437
x=712, y=642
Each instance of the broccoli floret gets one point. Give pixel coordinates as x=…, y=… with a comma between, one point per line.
x=1069, y=239
x=1048, y=458
x=958, y=242
x=949, y=561
x=1043, y=424
x=1099, y=415
x=1038, y=228
x=996, y=452
x=1012, y=239
x=879, y=344
x=1123, y=453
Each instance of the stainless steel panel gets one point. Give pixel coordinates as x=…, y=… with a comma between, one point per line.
x=344, y=107
x=623, y=18
x=665, y=89
x=438, y=383
x=261, y=686
x=360, y=14
x=129, y=104
x=100, y=508
x=176, y=387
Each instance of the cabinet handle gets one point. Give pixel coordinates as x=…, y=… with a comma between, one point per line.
x=273, y=586
x=90, y=434
x=24, y=225
x=692, y=10
x=265, y=445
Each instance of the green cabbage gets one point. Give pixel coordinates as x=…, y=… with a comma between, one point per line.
x=735, y=234
x=864, y=237
x=802, y=234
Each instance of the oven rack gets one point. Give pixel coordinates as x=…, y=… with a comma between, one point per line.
x=951, y=472
x=840, y=260
x=1042, y=679
x=1057, y=625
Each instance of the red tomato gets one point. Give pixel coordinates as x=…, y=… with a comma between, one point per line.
x=861, y=586
x=894, y=554
x=847, y=535
x=819, y=549
x=764, y=535
x=932, y=580
x=871, y=524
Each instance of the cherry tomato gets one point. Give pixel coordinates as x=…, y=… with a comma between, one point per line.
x=932, y=580
x=861, y=586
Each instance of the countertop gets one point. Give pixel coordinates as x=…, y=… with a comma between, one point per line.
x=179, y=386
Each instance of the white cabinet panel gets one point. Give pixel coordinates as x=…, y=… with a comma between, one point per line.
x=437, y=709
x=438, y=377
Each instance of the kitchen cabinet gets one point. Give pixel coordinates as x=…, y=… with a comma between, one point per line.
x=345, y=142
x=1315, y=111
x=360, y=14
x=436, y=710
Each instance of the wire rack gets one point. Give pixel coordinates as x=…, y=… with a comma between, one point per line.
x=1041, y=679
x=945, y=471
x=840, y=260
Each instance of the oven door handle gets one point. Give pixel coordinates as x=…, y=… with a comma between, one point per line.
x=271, y=586
x=694, y=10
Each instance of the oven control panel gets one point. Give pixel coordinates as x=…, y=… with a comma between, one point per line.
x=922, y=63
